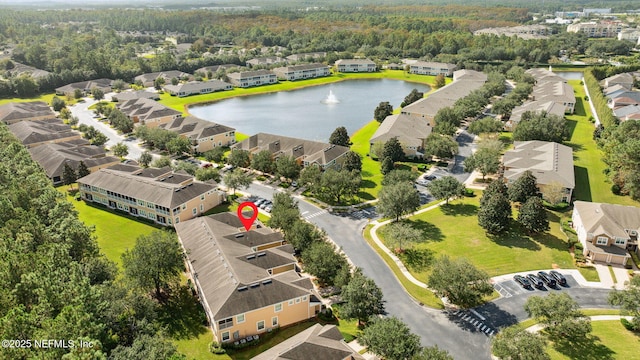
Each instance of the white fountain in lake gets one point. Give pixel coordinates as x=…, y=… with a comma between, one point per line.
x=331, y=99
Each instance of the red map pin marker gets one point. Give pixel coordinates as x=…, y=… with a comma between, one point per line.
x=248, y=222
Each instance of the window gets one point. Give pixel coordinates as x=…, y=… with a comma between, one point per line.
x=223, y=324
x=602, y=240
x=620, y=241
x=274, y=321
x=240, y=318
x=202, y=197
x=225, y=336
x=297, y=300
x=290, y=302
x=194, y=211
x=201, y=208
x=177, y=220
x=277, y=307
x=304, y=298
x=260, y=325
x=633, y=233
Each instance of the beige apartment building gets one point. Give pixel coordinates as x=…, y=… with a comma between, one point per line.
x=204, y=135
x=147, y=112
x=160, y=195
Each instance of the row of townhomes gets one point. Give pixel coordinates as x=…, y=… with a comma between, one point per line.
x=204, y=135
x=355, y=65
x=306, y=152
x=304, y=71
x=161, y=195
x=248, y=281
x=85, y=87
x=622, y=98
x=431, y=68
x=52, y=143
x=416, y=121
x=551, y=94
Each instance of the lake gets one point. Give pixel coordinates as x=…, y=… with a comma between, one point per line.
x=303, y=113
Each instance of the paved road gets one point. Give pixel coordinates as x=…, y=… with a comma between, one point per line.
x=85, y=116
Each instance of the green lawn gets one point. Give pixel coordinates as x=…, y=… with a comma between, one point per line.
x=453, y=230
x=114, y=232
x=198, y=347
x=589, y=273
x=371, y=175
x=609, y=340
x=591, y=182
x=42, y=97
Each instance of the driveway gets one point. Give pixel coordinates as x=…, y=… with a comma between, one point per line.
x=85, y=116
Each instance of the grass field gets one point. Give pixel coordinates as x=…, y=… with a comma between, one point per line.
x=591, y=182
x=609, y=340
x=42, y=97
x=115, y=232
x=371, y=175
x=453, y=230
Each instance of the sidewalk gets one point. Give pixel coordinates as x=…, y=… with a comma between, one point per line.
x=355, y=345
x=621, y=276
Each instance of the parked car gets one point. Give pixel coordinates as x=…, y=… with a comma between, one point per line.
x=259, y=201
x=522, y=281
x=535, y=281
x=265, y=204
x=268, y=208
x=422, y=182
x=430, y=177
x=559, y=277
x=548, y=279
x=294, y=184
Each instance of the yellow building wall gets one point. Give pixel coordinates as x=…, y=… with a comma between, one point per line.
x=210, y=200
x=217, y=139
x=282, y=269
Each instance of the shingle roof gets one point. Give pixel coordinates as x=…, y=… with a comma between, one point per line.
x=445, y=96
x=233, y=279
x=548, y=107
x=146, y=109
x=52, y=157
x=195, y=128
x=554, y=91
x=33, y=132
x=168, y=189
x=248, y=74
x=315, y=343
x=134, y=95
x=548, y=161
x=609, y=219
x=16, y=111
x=198, y=86
x=167, y=75
x=312, y=66
x=85, y=85
x=409, y=130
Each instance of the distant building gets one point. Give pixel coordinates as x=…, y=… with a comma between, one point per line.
x=266, y=61
x=36, y=133
x=625, y=80
x=355, y=65
x=304, y=71
x=606, y=29
x=548, y=161
x=632, y=35
x=85, y=87
x=13, y=112
x=214, y=68
x=432, y=68
x=306, y=152
x=148, y=112
x=252, y=78
x=523, y=31
x=313, y=56
x=197, y=87
x=134, y=95
x=161, y=195
x=149, y=79
x=204, y=135
x=247, y=281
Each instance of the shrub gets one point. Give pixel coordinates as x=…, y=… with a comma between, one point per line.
x=628, y=325
x=284, y=185
x=615, y=188
x=261, y=178
x=469, y=193
x=326, y=315
x=215, y=348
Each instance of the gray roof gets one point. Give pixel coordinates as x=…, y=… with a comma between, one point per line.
x=303, y=56
x=267, y=60
x=319, y=342
x=232, y=278
x=609, y=219
x=20, y=69
x=134, y=95
x=167, y=75
x=625, y=79
x=354, y=62
x=17, y=111
x=312, y=66
x=627, y=110
x=307, y=150
x=195, y=128
x=613, y=91
x=146, y=109
x=32, y=132
x=248, y=74
x=544, y=75
x=548, y=107
x=215, y=68
x=52, y=157
x=198, y=86
x=86, y=85
x=433, y=65
x=409, y=130
x=554, y=91
x=158, y=186
x=446, y=96
x=548, y=161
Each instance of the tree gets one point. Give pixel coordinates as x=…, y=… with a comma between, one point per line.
x=441, y=146
x=461, y=282
x=541, y=126
x=393, y=149
x=494, y=187
x=119, y=85
x=533, y=216
x=57, y=104
x=145, y=159
x=340, y=137
x=495, y=215
x=560, y=315
x=432, y=353
x=179, y=146
x=402, y=231
x=519, y=344
x=215, y=155
x=120, y=150
x=553, y=192
x=236, y=179
x=628, y=300
x=486, y=125
x=322, y=260
x=77, y=94
x=161, y=162
x=376, y=150
x=445, y=188
x=311, y=177
x=239, y=158
x=413, y=96
x=397, y=200
x=206, y=174
x=386, y=166
x=338, y=184
x=484, y=160
x=383, y=110
x=439, y=81
x=398, y=176
x=287, y=167
x=98, y=94
x=301, y=234
x=68, y=174
x=99, y=139
x=25, y=85
x=362, y=298
x=447, y=115
x=155, y=261
x=523, y=188
x=262, y=161
x=82, y=170
x=352, y=161
x=390, y=339
x=284, y=213
x=146, y=347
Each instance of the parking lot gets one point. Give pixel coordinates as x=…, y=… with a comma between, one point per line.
x=510, y=287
